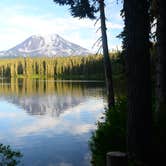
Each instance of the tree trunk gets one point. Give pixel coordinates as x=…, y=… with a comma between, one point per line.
x=136, y=44
x=107, y=62
x=161, y=77
x=161, y=67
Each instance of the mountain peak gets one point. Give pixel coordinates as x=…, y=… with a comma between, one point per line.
x=45, y=45
x=51, y=36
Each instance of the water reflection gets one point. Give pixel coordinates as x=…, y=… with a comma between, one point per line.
x=41, y=97
x=50, y=122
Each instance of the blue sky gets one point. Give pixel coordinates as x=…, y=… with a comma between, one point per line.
x=22, y=18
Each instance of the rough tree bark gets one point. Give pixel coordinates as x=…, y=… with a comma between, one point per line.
x=136, y=43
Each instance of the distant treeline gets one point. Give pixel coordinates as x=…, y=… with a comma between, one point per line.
x=73, y=67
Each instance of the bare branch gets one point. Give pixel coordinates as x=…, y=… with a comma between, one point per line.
x=96, y=21
x=97, y=41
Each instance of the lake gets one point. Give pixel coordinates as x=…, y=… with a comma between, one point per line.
x=50, y=122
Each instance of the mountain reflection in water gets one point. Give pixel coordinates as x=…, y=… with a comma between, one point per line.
x=50, y=122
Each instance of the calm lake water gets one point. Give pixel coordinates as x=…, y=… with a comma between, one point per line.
x=50, y=122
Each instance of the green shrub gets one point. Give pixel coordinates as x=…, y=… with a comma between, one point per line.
x=110, y=134
x=8, y=157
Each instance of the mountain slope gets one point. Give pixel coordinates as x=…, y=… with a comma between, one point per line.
x=50, y=45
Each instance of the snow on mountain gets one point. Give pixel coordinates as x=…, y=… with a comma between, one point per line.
x=50, y=45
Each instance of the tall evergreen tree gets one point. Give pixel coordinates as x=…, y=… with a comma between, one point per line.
x=136, y=44
x=161, y=69
x=161, y=77
x=88, y=8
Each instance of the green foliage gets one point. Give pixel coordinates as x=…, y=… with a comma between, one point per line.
x=73, y=67
x=81, y=8
x=8, y=157
x=110, y=134
x=118, y=62
x=59, y=68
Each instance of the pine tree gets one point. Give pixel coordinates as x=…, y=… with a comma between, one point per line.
x=136, y=45
x=88, y=8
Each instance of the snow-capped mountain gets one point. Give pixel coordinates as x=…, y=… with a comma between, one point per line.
x=50, y=45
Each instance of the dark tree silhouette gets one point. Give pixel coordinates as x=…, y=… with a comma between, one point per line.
x=161, y=77
x=136, y=44
x=161, y=68
x=88, y=8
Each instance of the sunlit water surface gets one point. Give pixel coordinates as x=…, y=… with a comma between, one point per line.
x=50, y=122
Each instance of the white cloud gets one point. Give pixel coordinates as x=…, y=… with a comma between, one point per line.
x=114, y=25
x=17, y=25
x=63, y=124
x=37, y=126
x=64, y=164
x=20, y=27
x=7, y=115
